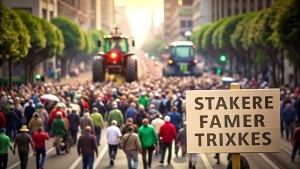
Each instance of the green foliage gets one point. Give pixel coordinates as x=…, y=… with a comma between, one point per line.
x=261, y=57
x=199, y=36
x=89, y=45
x=73, y=36
x=60, y=45
x=206, y=41
x=37, y=36
x=239, y=38
x=97, y=35
x=14, y=39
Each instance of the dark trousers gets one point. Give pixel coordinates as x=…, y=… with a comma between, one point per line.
x=87, y=161
x=11, y=130
x=40, y=151
x=288, y=127
x=98, y=134
x=144, y=152
x=3, y=161
x=164, y=147
x=23, y=159
x=176, y=147
x=74, y=135
x=295, y=148
x=112, y=150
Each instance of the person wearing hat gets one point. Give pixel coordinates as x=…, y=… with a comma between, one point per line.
x=39, y=139
x=115, y=114
x=98, y=124
x=23, y=140
x=29, y=110
x=4, y=144
x=86, y=120
x=74, y=121
x=35, y=123
x=11, y=123
x=167, y=133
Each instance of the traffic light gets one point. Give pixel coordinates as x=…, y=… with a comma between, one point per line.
x=223, y=58
x=152, y=57
x=146, y=54
x=38, y=77
x=219, y=71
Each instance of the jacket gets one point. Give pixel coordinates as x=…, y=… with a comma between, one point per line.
x=143, y=101
x=132, y=144
x=73, y=121
x=11, y=119
x=115, y=115
x=97, y=119
x=289, y=115
x=53, y=114
x=181, y=136
x=175, y=119
x=131, y=113
x=168, y=132
x=34, y=124
x=138, y=118
x=87, y=145
x=125, y=129
x=58, y=127
x=296, y=135
x=157, y=123
x=148, y=136
x=43, y=115
x=86, y=121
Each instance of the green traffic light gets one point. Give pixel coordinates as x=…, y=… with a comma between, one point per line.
x=38, y=76
x=219, y=71
x=223, y=58
x=146, y=54
x=152, y=57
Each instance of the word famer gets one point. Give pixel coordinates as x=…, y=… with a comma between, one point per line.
x=233, y=121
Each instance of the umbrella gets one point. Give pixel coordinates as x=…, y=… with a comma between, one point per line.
x=50, y=97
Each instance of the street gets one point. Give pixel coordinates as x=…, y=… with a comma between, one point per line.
x=205, y=161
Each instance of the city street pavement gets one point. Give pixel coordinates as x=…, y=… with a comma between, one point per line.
x=73, y=161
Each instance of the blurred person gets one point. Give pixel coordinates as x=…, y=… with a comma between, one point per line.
x=4, y=144
x=27, y=103
x=7, y=107
x=2, y=120
x=295, y=142
x=178, y=104
x=297, y=106
x=86, y=120
x=139, y=116
x=124, y=105
x=289, y=115
x=75, y=104
x=35, y=123
x=100, y=106
x=167, y=133
x=22, y=141
x=131, y=145
x=86, y=147
x=58, y=126
x=74, y=121
x=148, y=138
x=176, y=120
x=29, y=110
x=39, y=138
x=158, y=103
x=98, y=124
x=53, y=113
x=43, y=115
x=150, y=99
x=113, y=135
x=11, y=119
x=129, y=123
x=131, y=111
x=157, y=122
x=143, y=99
x=116, y=115
x=153, y=110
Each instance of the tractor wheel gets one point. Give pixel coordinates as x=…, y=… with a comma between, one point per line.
x=98, y=69
x=131, y=72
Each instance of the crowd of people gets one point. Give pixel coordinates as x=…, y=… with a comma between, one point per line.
x=143, y=117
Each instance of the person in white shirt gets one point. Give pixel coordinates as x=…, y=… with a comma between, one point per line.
x=113, y=135
x=156, y=123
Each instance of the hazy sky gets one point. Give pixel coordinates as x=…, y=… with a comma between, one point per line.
x=139, y=12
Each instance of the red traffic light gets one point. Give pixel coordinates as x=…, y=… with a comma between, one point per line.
x=195, y=61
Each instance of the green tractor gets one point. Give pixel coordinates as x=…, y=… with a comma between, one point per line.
x=116, y=58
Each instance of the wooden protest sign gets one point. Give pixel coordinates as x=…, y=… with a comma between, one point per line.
x=233, y=121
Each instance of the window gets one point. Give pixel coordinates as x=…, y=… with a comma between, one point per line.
x=45, y=14
x=183, y=51
x=51, y=15
x=236, y=11
x=244, y=10
x=182, y=24
x=229, y=12
x=116, y=44
x=190, y=24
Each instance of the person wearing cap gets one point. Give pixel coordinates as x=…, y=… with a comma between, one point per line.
x=4, y=144
x=22, y=141
x=98, y=124
x=43, y=115
x=148, y=138
x=86, y=120
x=39, y=140
x=86, y=147
x=167, y=133
x=54, y=113
x=11, y=123
x=115, y=114
x=35, y=123
x=29, y=110
x=74, y=121
x=113, y=134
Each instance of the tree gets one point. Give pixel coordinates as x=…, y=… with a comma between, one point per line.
x=286, y=32
x=14, y=39
x=73, y=39
x=37, y=42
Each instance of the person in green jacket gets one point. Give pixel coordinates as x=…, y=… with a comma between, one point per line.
x=143, y=99
x=115, y=114
x=4, y=143
x=98, y=124
x=148, y=138
x=58, y=126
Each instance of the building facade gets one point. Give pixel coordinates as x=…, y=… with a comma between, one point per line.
x=122, y=21
x=107, y=15
x=94, y=14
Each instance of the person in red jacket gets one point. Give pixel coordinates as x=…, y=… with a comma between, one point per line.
x=167, y=133
x=2, y=121
x=54, y=112
x=39, y=139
